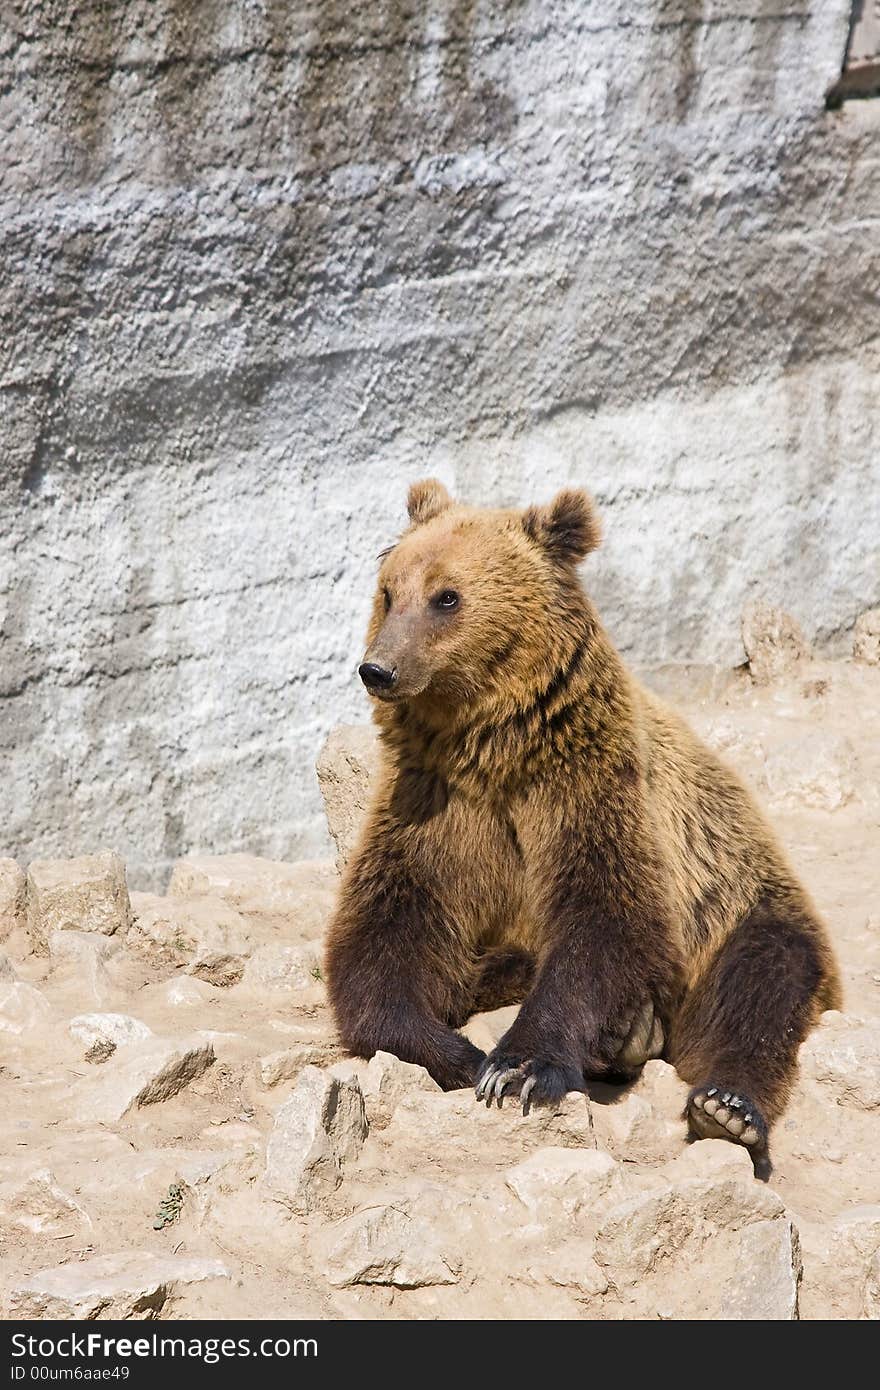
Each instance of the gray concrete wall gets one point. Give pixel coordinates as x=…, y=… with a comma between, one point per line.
x=261, y=264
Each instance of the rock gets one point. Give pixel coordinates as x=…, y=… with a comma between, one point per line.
x=303, y=892
x=840, y=1266
x=485, y=1030
x=37, y=1204
x=347, y=766
x=89, y=894
x=186, y=992
x=843, y=1056
x=133, y=1285
x=866, y=637
x=84, y=957
x=320, y=1129
x=871, y=1303
x=452, y=1123
x=385, y=1080
x=717, y=1247
x=118, y=1029
x=22, y=1007
x=633, y=1129
x=283, y=968
x=563, y=1181
x=387, y=1243
x=820, y=772
x=209, y=935
x=286, y=1064
x=773, y=641
x=571, y=1265
x=662, y=1087
x=712, y=1158
x=13, y=897
x=143, y=1074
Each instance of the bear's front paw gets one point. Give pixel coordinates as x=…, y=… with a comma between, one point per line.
x=538, y=1082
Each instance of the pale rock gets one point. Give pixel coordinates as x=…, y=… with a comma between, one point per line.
x=385, y=1080
x=134, y=1285
x=386, y=1243
x=553, y=1182
x=661, y=1086
x=283, y=968
x=840, y=1260
x=487, y=1029
x=119, y=1029
x=819, y=772
x=843, y=1056
x=871, y=1305
x=288, y=1062
x=13, y=897
x=83, y=956
x=454, y=1122
x=318, y=1130
x=186, y=992
x=712, y=1158
x=209, y=935
x=634, y=1129
x=570, y=1265
x=37, y=1204
x=773, y=641
x=866, y=637
x=348, y=766
x=88, y=894
x=302, y=892
x=23, y=1008
x=703, y=1248
x=143, y=1074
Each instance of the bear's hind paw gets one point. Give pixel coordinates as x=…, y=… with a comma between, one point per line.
x=716, y=1112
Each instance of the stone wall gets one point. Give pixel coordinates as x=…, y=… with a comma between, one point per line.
x=264, y=263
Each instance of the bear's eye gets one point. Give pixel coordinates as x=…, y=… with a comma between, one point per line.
x=447, y=600
x=386, y=599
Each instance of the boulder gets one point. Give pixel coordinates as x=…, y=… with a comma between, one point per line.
x=637, y=1131
x=710, y=1247
x=22, y=1007
x=320, y=1129
x=388, y=1242
x=773, y=641
x=13, y=897
x=132, y=1285
x=840, y=1266
x=564, y=1182
x=143, y=1073
x=820, y=772
x=866, y=637
x=119, y=1029
x=206, y=934
x=288, y=1062
x=385, y=1081
x=302, y=892
x=282, y=967
x=347, y=767
x=89, y=894
x=843, y=1056
x=34, y=1202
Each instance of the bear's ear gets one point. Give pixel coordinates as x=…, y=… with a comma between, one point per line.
x=567, y=528
x=427, y=499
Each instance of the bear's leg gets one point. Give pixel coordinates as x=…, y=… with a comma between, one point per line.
x=737, y=1035
x=397, y=970
x=505, y=977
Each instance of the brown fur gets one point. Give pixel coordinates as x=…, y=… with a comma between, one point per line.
x=547, y=830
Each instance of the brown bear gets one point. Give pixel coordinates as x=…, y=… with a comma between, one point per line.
x=547, y=831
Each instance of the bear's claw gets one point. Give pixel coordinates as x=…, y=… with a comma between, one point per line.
x=548, y=1080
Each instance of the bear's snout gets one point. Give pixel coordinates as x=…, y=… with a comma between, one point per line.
x=377, y=677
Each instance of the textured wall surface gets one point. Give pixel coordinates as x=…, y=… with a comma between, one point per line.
x=261, y=264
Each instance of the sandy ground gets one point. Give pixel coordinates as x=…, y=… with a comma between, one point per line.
x=73, y=1188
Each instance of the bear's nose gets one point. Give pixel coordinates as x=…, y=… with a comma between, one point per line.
x=376, y=677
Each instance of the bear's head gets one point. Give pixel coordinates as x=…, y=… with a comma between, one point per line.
x=470, y=597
